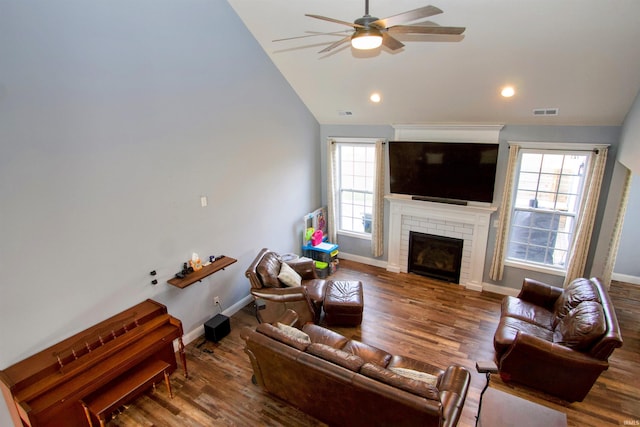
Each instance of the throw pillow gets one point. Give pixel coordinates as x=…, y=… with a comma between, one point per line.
x=387, y=376
x=293, y=332
x=288, y=275
x=278, y=334
x=581, y=326
x=416, y=375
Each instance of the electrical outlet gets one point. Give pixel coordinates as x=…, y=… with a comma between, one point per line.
x=216, y=300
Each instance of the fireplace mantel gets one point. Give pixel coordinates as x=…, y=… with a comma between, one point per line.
x=471, y=223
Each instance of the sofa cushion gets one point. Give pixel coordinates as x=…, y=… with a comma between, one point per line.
x=389, y=377
x=579, y=290
x=368, y=352
x=337, y=356
x=280, y=335
x=321, y=335
x=288, y=275
x=581, y=326
x=268, y=269
x=510, y=326
x=525, y=310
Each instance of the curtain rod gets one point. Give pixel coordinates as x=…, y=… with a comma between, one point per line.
x=333, y=141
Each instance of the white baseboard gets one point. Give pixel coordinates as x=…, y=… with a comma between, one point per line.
x=626, y=278
x=363, y=260
x=199, y=330
x=502, y=290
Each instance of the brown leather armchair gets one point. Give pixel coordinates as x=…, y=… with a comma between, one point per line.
x=306, y=300
x=557, y=340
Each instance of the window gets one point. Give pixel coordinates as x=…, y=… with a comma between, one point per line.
x=546, y=202
x=356, y=172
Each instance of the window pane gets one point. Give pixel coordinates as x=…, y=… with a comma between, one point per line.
x=546, y=200
x=552, y=163
x=528, y=181
x=548, y=182
x=531, y=162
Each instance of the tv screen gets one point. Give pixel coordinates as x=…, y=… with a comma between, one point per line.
x=443, y=170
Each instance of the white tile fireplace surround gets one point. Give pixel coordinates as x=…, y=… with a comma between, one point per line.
x=469, y=223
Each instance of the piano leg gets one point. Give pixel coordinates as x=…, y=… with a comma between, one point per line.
x=183, y=357
x=88, y=414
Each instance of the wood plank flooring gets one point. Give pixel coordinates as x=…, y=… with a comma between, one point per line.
x=405, y=314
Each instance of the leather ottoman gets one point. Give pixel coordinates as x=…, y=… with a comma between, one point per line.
x=343, y=303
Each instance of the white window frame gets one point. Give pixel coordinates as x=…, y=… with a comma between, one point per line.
x=547, y=148
x=342, y=142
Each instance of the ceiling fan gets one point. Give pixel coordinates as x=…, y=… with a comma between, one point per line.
x=370, y=32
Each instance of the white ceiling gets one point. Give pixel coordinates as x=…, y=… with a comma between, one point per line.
x=580, y=56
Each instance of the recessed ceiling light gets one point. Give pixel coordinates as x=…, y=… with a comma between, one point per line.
x=375, y=97
x=508, y=91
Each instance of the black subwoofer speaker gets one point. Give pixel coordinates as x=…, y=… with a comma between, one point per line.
x=217, y=328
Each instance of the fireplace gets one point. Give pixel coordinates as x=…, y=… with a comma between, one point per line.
x=434, y=256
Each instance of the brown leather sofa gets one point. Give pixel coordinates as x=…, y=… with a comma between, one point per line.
x=306, y=299
x=345, y=382
x=557, y=340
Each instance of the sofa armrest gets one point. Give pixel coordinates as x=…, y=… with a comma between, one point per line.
x=280, y=294
x=539, y=293
x=552, y=368
x=279, y=300
x=306, y=269
x=289, y=318
x=453, y=387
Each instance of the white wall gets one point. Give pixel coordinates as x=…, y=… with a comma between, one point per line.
x=115, y=117
x=629, y=154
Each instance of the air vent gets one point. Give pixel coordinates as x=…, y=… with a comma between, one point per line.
x=345, y=113
x=545, y=112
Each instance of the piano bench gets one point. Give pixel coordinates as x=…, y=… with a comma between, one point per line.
x=118, y=392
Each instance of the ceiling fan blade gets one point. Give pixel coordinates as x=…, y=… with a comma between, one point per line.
x=337, y=21
x=336, y=44
x=426, y=29
x=390, y=42
x=411, y=15
x=314, y=34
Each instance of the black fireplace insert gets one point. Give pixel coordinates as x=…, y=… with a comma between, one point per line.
x=434, y=256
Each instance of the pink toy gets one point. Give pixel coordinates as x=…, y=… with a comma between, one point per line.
x=316, y=238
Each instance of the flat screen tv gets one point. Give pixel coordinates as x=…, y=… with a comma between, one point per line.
x=450, y=171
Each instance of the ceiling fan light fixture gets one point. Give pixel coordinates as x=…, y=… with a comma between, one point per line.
x=366, y=39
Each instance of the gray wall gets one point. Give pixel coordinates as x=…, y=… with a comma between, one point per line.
x=512, y=276
x=629, y=156
x=627, y=258
x=115, y=117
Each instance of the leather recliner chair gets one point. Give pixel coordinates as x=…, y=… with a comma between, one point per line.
x=306, y=300
x=557, y=340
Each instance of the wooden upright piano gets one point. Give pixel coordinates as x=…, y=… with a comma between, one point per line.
x=47, y=388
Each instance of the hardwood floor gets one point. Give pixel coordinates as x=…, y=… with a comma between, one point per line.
x=404, y=314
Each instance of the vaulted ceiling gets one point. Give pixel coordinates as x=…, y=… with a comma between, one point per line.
x=579, y=56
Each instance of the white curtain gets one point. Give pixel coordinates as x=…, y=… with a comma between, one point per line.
x=587, y=216
x=377, y=217
x=497, y=264
x=332, y=191
x=617, y=232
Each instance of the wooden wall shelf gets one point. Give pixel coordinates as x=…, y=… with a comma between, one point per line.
x=196, y=276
